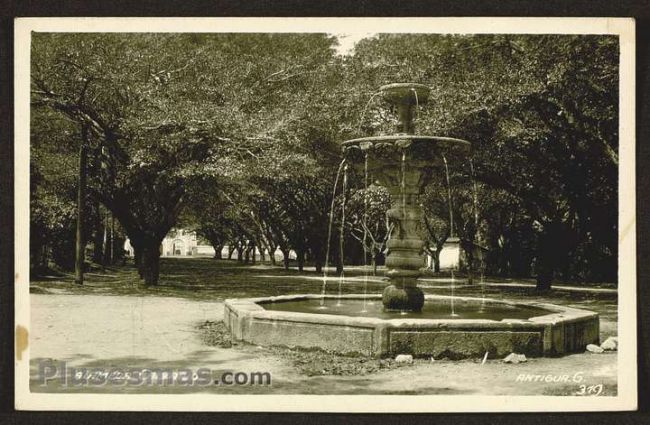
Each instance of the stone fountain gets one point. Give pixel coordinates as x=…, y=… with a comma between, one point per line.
x=409, y=322
x=403, y=164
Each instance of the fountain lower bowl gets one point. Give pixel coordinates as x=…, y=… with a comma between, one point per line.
x=295, y=321
x=425, y=149
x=408, y=138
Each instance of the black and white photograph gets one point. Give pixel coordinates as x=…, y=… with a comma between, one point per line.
x=334, y=215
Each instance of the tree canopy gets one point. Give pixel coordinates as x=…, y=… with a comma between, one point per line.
x=238, y=136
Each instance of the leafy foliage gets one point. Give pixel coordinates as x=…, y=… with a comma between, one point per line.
x=244, y=129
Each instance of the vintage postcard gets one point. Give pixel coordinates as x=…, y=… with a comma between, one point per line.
x=325, y=215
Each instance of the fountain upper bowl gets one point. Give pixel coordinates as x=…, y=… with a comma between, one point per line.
x=405, y=93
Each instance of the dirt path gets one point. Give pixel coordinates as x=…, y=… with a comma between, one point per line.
x=94, y=331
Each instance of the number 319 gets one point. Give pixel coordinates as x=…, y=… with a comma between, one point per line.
x=592, y=390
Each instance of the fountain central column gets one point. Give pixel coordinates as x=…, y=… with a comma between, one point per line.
x=404, y=177
x=405, y=246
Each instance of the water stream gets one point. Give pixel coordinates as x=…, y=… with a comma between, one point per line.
x=453, y=311
x=329, y=233
x=402, y=188
x=477, y=237
x=363, y=113
x=451, y=209
x=417, y=104
x=365, y=232
x=451, y=229
x=342, y=231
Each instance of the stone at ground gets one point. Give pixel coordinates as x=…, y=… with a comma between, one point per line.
x=404, y=358
x=515, y=358
x=610, y=344
x=593, y=348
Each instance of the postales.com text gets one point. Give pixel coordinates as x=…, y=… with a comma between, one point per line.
x=50, y=371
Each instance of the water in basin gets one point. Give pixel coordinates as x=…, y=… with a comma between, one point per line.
x=433, y=309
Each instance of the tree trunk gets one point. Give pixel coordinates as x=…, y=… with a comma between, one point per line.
x=80, y=244
x=111, y=257
x=137, y=258
x=300, y=258
x=99, y=235
x=285, y=258
x=544, y=265
x=247, y=255
x=150, y=263
x=548, y=251
x=373, y=261
x=218, y=247
x=339, y=264
x=42, y=257
x=231, y=251
x=544, y=280
x=317, y=256
x=108, y=241
x=250, y=254
x=98, y=244
x=436, y=260
x=240, y=254
x=468, y=248
x=272, y=254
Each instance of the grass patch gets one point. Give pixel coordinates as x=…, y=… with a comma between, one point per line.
x=200, y=278
x=204, y=278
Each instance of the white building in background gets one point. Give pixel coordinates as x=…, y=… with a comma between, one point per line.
x=453, y=257
x=449, y=256
x=128, y=248
x=179, y=242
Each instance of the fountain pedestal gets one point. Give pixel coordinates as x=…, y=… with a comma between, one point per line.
x=405, y=246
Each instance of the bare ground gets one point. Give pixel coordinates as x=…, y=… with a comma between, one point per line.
x=135, y=331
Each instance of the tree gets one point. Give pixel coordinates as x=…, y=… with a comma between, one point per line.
x=154, y=126
x=54, y=186
x=368, y=221
x=541, y=112
x=436, y=221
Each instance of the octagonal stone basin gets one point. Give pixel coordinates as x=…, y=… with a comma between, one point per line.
x=294, y=321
